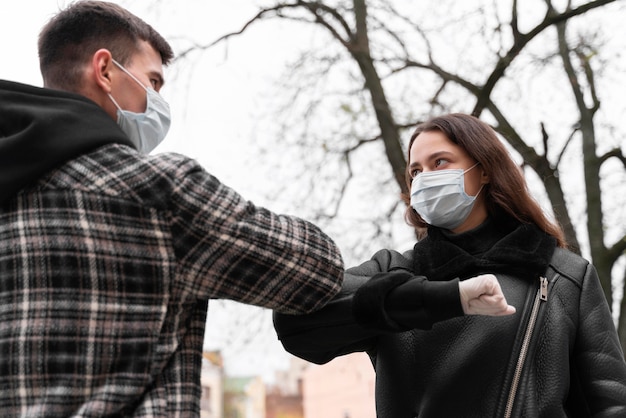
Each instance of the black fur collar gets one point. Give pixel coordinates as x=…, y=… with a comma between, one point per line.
x=512, y=248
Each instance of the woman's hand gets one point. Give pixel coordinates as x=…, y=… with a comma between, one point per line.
x=482, y=295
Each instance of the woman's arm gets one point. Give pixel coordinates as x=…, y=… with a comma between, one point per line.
x=381, y=296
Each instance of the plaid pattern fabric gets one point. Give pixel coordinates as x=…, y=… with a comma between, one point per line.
x=106, y=268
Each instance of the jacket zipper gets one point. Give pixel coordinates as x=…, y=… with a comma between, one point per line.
x=542, y=295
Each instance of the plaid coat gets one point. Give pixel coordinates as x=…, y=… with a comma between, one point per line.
x=107, y=264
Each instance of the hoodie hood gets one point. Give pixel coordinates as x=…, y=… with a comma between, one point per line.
x=41, y=129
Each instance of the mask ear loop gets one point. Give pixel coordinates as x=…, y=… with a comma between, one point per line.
x=115, y=102
x=121, y=67
x=479, y=190
x=481, y=186
x=471, y=168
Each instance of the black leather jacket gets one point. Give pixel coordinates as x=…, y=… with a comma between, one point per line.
x=558, y=356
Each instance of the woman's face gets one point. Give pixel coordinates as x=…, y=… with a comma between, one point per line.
x=432, y=151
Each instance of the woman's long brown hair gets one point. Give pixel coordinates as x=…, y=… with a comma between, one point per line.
x=507, y=189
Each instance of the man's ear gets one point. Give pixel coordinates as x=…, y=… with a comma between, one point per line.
x=101, y=66
x=98, y=81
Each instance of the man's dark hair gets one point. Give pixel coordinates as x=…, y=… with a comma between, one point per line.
x=70, y=39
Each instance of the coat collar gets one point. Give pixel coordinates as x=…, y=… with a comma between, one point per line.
x=494, y=247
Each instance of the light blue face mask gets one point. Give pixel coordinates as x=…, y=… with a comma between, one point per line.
x=148, y=129
x=439, y=197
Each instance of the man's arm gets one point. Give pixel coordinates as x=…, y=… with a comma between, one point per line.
x=227, y=247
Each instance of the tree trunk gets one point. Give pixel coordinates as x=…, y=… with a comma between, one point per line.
x=388, y=127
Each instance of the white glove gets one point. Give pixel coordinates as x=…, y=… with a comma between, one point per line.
x=482, y=295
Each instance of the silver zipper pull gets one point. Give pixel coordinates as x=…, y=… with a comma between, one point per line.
x=544, y=289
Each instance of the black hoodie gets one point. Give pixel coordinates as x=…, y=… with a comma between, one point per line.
x=41, y=129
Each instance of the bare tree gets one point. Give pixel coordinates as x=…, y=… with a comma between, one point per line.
x=388, y=56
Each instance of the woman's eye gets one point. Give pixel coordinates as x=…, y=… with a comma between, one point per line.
x=414, y=173
x=440, y=161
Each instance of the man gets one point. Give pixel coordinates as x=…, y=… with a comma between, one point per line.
x=108, y=256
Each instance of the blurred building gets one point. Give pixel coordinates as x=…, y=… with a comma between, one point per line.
x=244, y=397
x=211, y=378
x=284, y=398
x=342, y=388
x=283, y=405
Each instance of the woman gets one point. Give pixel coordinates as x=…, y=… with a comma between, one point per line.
x=557, y=356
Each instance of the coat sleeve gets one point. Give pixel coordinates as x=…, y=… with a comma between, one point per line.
x=598, y=356
x=329, y=332
x=228, y=248
x=377, y=297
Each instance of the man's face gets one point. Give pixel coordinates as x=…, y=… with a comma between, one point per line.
x=147, y=67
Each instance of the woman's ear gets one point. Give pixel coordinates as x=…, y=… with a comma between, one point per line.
x=484, y=177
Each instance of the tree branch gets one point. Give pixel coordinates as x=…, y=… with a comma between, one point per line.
x=569, y=141
x=615, y=152
x=260, y=15
x=617, y=250
x=520, y=42
x=514, y=22
x=584, y=61
x=316, y=7
x=313, y=7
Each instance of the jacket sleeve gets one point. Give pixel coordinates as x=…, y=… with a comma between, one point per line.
x=377, y=297
x=228, y=248
x=400, y=301
x=598, y=357
x=330, y=332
